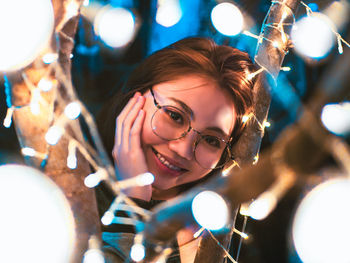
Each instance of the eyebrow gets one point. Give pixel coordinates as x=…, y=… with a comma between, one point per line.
x=184, y=106
x=191, y=113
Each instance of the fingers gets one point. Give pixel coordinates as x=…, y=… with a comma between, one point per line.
x=121, y=117
x=125, y=123
x=129, y=121
x=135, y=133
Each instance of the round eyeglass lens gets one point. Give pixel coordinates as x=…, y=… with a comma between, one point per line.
x=170, y=123
x=209, y=150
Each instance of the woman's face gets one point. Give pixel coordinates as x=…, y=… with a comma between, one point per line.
x=173, y=162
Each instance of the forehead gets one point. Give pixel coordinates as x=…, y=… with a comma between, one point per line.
x=212, y=105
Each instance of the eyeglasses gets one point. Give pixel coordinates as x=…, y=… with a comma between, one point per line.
x=171, y=123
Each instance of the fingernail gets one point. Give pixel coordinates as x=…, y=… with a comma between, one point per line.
x=139, y=98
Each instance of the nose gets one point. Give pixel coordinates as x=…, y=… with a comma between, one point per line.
x=184, y=146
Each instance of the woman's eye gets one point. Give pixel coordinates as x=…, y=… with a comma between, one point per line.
x=212, y=141
x=175, y=116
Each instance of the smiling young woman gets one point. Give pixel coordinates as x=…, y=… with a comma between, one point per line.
x=178, y=116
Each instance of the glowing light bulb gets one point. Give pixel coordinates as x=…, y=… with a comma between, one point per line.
x=107, y=218
x=48, y=224
x=72, y=110
x=245, y=118
x=144, y=179
x=93, y=256
x=227, y=19
x=115, y=26
x=72, y=161
x=27, y=151
x=45, y=84
x=210, y=210
x=262, y=206
x=169, y=12
x=321, y=229
x=137, y=252
x=49, y=58
x=94, y=179
x=313, y=37
x=336, y=118
x=53, y=135
x=26, y=28
x=8, y=119
x=34, y=102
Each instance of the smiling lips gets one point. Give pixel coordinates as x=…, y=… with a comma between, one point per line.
x=168, y=166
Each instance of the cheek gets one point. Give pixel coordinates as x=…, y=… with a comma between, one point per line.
x=148, y=136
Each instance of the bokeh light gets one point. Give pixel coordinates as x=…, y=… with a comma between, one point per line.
x=210, y=210
x=169, y=12
x=312, y=36
x=227, y=19
x=26, y=28
x=137, y=252
x=336, y=118
x=115, y=26
x=321, y=229
x=37, y=224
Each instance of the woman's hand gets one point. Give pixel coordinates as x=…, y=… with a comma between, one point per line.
x=127, y=152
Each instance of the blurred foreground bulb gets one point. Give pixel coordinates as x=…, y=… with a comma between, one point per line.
x=53, y=135
x=321, y=228
x=137, y=252
x=312, y=36
x=26, y=27
x=336, y=118
x=169, y=12
x=72, y=110
x=227, y=19
x=35, y=207
x=115, y=26
x=210, y=210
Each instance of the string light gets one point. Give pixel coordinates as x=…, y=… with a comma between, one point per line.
x=34, y=102
x=72, y=158
x=27, y=151
x=252, y=75
x=8, y=118
x=46, y=84
x=50, y=58
x=199, y=232
x=54, y=134
x=72, y=110
x=137, y=252
x=210, y=210
x=94, y=253
x=140, y=180
x=107, y=218
x=286, y=68
x=94, y=179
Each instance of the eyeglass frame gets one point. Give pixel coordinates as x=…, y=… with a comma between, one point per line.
x=227, y=143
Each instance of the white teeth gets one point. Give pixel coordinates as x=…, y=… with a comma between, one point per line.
x=167, y=164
